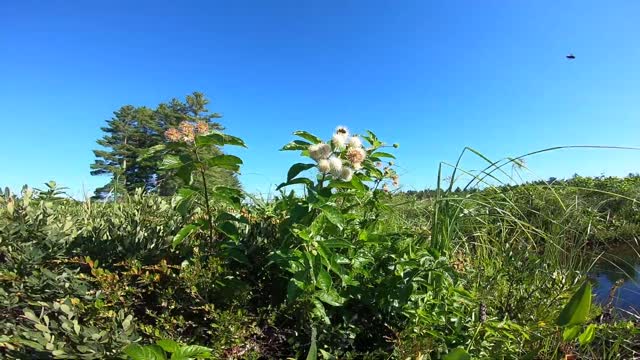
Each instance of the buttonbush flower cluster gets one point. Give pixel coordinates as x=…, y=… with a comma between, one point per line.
x=187, y=131
x=345, y=158
x=342, y=157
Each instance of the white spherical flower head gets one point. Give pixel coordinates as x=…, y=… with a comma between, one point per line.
x=356, y=155
x=346, y=174
x=314, y=152
x=339, y=141
x=324, y=150
x=324, y=166
x=336, y=166
x=355, y=142
x=342, y=130
x=319, y=151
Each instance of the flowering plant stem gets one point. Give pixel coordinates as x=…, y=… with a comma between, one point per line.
x=206, y=194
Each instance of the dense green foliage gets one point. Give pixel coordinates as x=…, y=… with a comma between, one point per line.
x=336, y=266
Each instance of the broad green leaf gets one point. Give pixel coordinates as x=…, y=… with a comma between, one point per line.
x=229, y=162
x=170, y=162
x=588, y=335
x=326, y=355
x=209, y=140
x=233, y=140
x=229, y=229
x=324, y=279
x=183, y=233
x=457, y=354
x=150, y=352
x=296, y=181
x=296, y=145
x=151, y=151
x=330, y=297
x=313, y=349
x=308, y=136
x=333, y=214
x=577, y=309
x=380, y=154
x=192, y=351
x=319, y=311
x=296, y=169
x=571, y=332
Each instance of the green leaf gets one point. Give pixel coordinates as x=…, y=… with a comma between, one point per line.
x=191, y=351
x=319, y=311
x=571, y=332
x=42, y=328
x=185, y=173
x=150, y=352
x=171, y=162
x=296, y=169
x=143, y=154
x=326, y=355
x=209, y=140
x=330, y=297
x=457, y=354
x=183, y=233
x=31, y=316
x=296, y=145
x=296, y=181
x=229, y=229
x=313, y=349
x=333, y=214
x=588, y=335
x=229, y=162
x=577, y=309
x=233, y=140
x=381, y=154
x=308, y=136
x=324, y=279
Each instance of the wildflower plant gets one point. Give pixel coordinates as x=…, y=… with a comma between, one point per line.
x=329, y=232
x=190, y=151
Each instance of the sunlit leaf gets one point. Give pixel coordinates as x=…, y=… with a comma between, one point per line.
x=296, y=145
x=229, y=162
x=588, y=335
x=308, y=136
x=149, y=352
x=571, y=332
x=170, y=162
x=168, y=345
x=577, y=309
x=184, y=233
x=330, y=297
x=380, y=154
x=324, y=279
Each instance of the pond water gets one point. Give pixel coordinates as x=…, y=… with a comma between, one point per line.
x=619, y=263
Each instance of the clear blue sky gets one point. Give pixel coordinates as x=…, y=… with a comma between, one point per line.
x=434, y=76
